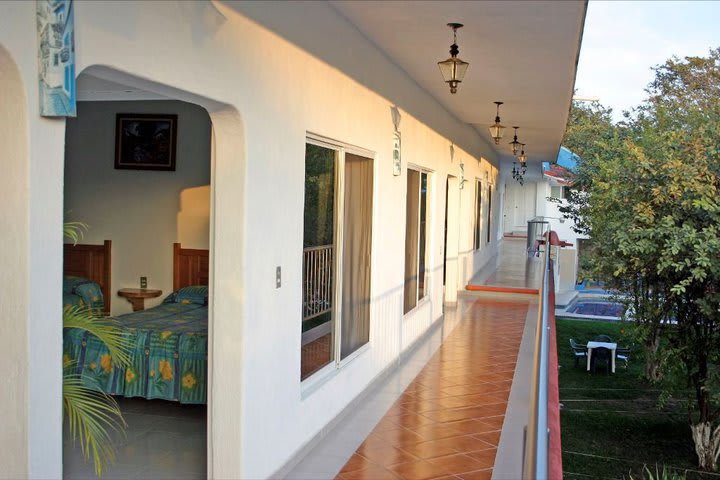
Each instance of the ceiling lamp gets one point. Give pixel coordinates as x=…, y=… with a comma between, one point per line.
x=522, y=157
x=453, y=69
x=515, y=144
x=497, y=130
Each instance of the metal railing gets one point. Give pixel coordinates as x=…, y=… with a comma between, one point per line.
x=317, y=281
x=536, y=228
x=535, y=461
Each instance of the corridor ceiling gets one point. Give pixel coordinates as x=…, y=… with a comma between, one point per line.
x=523, y=53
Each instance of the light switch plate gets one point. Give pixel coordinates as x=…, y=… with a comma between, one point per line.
x=278, y=277
x=143, y=282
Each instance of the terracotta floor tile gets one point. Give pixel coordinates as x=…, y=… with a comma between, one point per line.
x=478, y=475
x=438, y=431
x=492, y=438
x=372, y=472
x=429, y=449
x=456, y=464
x=486, y=457
x=388, y=456
x=400, y=436
x=495, y=422
x=446, y=425
x=421, y=470
x=465, y=443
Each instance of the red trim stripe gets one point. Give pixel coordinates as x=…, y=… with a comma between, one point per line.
x=488, y=288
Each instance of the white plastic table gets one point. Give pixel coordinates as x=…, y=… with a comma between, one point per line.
x=610, y=346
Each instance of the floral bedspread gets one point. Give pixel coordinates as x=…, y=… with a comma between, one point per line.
x=168, y=355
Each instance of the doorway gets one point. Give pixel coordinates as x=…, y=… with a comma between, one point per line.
x=157, y=221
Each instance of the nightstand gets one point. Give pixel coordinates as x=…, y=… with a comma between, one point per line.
x=137, y=296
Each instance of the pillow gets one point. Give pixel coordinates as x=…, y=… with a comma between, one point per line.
x=88, y=291
x=195, y=294
x=91, y=294
x=69, y=283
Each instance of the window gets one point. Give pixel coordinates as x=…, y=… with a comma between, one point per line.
x=415, y=238
x=478, y=213
x=337, y=237
x=556, y=192
x=489, y=210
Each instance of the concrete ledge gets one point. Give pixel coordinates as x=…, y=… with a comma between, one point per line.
x=509, y=457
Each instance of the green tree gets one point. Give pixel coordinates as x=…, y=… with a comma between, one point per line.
x=648, y=196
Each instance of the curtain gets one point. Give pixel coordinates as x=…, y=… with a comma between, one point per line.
x=356, y=255
x=411, y=240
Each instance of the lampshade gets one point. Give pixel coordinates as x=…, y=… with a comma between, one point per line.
x=453, y=69
x=515, y=144
x=497, y=130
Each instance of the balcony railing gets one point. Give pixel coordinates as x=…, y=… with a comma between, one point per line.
x=317, y=281
x=542, y=455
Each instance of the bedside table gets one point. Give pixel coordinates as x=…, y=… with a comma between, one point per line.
x=137, y=296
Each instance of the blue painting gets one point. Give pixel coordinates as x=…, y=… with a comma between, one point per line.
x=56, y=58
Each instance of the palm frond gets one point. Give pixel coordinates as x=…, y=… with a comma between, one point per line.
x=106, y=329
x=74, y=230
x=91, y=416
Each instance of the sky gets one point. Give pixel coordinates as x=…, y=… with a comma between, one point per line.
x=623, y=40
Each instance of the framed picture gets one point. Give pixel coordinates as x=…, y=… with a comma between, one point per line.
x=145, y=141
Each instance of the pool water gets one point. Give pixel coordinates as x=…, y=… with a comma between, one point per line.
x=601, y=308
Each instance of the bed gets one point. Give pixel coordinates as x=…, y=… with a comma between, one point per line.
x=86, y=275
x=168, y=342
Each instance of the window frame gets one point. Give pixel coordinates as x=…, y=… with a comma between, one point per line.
x=419, y=301
x=312, y=381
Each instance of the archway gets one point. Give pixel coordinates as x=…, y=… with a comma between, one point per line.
x=227, y=170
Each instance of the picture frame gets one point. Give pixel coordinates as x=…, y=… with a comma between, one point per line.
x=145, y=141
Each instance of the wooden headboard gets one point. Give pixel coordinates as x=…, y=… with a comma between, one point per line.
x=91, y=262
x=190, y=266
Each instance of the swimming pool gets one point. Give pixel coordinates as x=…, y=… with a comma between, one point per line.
x=592, y=307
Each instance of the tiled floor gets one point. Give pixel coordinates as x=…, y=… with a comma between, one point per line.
x=164, y=440
x=315, y=355
x=447, y=423
x=511, y=267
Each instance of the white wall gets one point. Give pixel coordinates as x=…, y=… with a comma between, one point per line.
x=141, y=211
x=14, y=294
x=275, y=93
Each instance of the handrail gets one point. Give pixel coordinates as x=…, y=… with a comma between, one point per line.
x=535, y=462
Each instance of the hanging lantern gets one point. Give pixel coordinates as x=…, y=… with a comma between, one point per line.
x=453, y=69
x=497, y=130
x=515, y=144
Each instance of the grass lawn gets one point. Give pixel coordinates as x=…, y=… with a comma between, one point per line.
x=611, y=424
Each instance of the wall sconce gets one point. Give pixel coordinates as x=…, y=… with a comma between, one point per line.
x=497, y=130
x=515, y=144
x=453, y=69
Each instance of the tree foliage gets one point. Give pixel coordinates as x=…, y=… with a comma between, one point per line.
x=648, y=195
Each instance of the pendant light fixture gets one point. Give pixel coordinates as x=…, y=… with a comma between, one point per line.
x=453, y=69
x=515, y=144
x=497, y=130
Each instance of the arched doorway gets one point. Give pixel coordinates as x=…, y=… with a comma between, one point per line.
x=226, y=173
